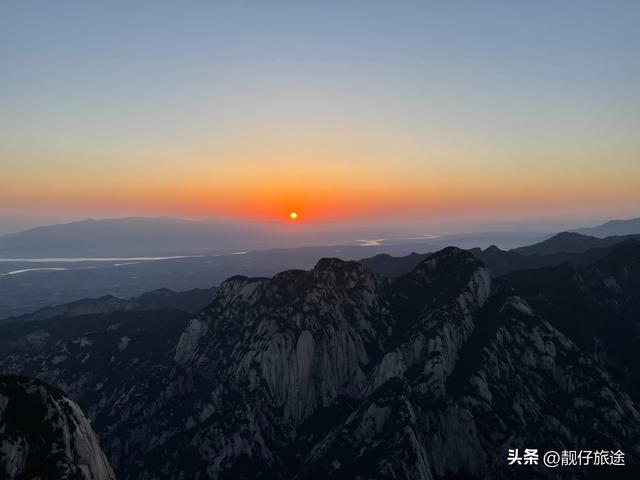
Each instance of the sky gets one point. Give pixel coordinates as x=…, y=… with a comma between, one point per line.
x=345, y=111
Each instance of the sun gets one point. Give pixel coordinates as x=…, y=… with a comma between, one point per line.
x=293, y=215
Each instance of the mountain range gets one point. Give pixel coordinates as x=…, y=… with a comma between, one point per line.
x=612, y=228
x=29, y=284
x=571, y=242
x=190, y=301
x=158, y=237
x=136, y=236
x=337, y=372
x=135, y=285
x=562, y=248
x=149, y=237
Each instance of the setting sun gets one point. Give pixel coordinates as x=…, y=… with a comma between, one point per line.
x=293, y=215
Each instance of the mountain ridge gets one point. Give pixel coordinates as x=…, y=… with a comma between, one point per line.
x=335, y=372
x=500, y=261
x=572, y=242
x=627, y=226
x=163, y=298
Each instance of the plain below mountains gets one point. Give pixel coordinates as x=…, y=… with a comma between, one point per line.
x=30, y=284
x=158, y=237
x=153, y=237
x=136, y=237
x=114, y=283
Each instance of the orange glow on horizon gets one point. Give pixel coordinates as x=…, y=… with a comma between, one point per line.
x=326, y=184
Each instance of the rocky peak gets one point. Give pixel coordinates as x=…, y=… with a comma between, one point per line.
x=237, y=287
x=451, y=275
x=336, y=373
x=436, y=306
x=339, y=274
x=308, y=334
x=493, y=250
x=447, y=258
x=46, y=435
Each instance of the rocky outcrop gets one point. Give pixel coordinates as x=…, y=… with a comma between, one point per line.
x=338, y=373
x=45, y=435
x=436, y=305
x=305, y=336
x=380, y=439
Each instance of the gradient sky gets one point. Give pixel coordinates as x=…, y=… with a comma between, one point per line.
x=338, y=110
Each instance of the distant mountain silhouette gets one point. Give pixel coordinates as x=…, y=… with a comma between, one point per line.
x=146, y=236
x=189, y=301
x=613, y=227
x=389, y=266
x=571, y=242
x=500, y=262
x=136, y=236
x=598, y=306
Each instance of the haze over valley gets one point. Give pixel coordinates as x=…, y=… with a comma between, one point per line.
x=50, y=279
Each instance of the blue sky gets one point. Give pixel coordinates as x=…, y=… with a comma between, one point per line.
x=522, y=97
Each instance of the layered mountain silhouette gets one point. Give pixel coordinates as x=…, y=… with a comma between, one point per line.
x=597, y=305
x=135, y=236
x=613, y=227
x=149, y=236
x=562, y=248
x=189, y=301
x=571, y=242
x=337, y=372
